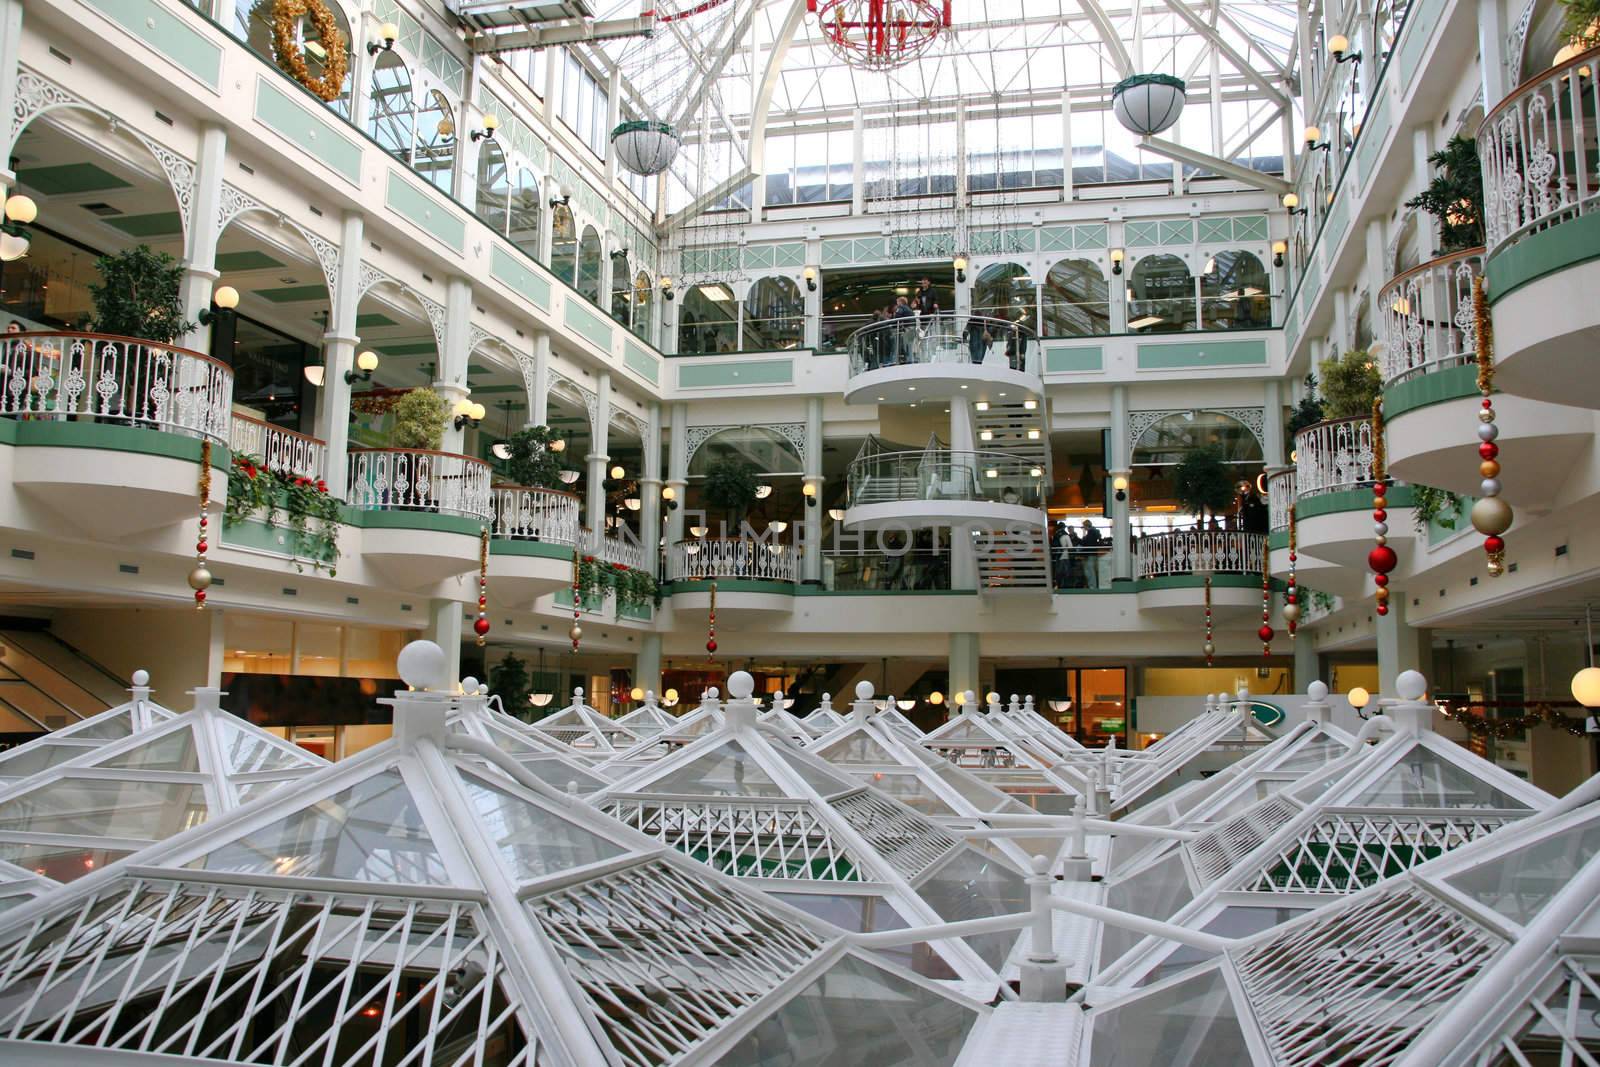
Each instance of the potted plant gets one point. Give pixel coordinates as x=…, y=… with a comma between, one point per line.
x=138, y=296
x=419, y=420
x=509, y=680
x=1306, y=413
x=531, y=463
x=1202, y=482
x=1581, y=22
x=731, y=485
x=1350, y=384
x=1455, y=195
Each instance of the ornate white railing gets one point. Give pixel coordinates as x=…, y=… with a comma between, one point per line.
x=731, y=557
x=278, y=449
x=1427, y=316
x=1280, y=495
x=1333, y=455
x=102, y=378
x=535, y=515
x=1200, y=551
x=613, y=548
x=413, y=479
x=1538, y=152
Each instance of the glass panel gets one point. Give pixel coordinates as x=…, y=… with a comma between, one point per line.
x=1522, y=881
x=563, y=244
x=100, y=808
x=1311, y=753
x=1157, y=892
x=371, y=832
x=979, y=794
x=909, y=790
x=60, y=863
x=870, y=914
x=825, y=782
x=389, y=115
x=557, y=773
x=170, y=752
x=728, y=770
x=1424, y=780
x=106, y=727
x=857, y=748
x=38, y=756
x=774, y=316
x=1232, y=922
x=1196, y=1015
x=249, y=753
x=857, y=1015
x=1161, y=296
x=973, y=886
x=589, y=265
x=435, y=155
x=1077, y=301
x=534, y=843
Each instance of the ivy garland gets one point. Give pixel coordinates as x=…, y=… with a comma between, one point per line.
x=253, y=489
x=1430, y=504
x=286, y=15
x=596, y=578
x=1481, y=726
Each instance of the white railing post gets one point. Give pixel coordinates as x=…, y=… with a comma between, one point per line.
x=1078, y=867
x=1042, y=972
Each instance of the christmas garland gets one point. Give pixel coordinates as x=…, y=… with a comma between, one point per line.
x=253, y=488
x=1291, y=598
x=1502, y=729
x=594, y=578
x=200, y=576
x=286, y=15
x=1491, y=516
x=1382, y=558
x=1265, y=633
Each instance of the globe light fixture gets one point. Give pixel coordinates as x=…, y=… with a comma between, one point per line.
x=936, y=698
x=1339, y=49
x=617, y=473
x=1117, y=256
x=810, y=276
x=388, y=34
x=1147, y=104
x=366, y=363
x=491, y=123
x=1119, y=485
x=960, y=265
x=1278, y=249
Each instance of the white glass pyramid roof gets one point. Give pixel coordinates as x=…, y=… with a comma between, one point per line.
x=443, y=903
x=61, y=745
x=977, y=742
x=649, y=718
x=585, y=730
x=823, y=718
x=557, y=765
x=777, y=715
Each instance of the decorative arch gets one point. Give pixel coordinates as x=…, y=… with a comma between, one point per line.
x=235, y=202
x=370, y=278
x=1142, y=422
x=782, y=438
x=1077, y=300
x=626, y=421
x=571, y=390
x=591, y=264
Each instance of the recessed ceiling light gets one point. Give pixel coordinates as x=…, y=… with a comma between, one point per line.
x=911, y=388
x=963, y=387
x=1001, y=394
x=880, y=400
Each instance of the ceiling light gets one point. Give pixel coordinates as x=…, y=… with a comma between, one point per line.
x=568, y=477
x=1033, y=435
x=763, y=491
x=1141, y=323
x=1030, y=405
x=982, y=405
x=316, y=373
x=986, y=435
x=777, y=526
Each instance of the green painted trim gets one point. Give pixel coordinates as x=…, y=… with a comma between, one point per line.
x=412, y=204
x=1536, y=255
x=1147, y=79
x=506, y=268
x=735, y=585
x=168, y=35
x=637, y=359
x=43, y=433
x=1277, y=539
x=409, y=520
x=1437, y=387
x=1196, y=581
x=1375, y=132
x=1202, y=354
x=1346, y=500
x=1068, y=360
x=275, y=110
x=500, y=546
x=713, y=375
x=588, y=325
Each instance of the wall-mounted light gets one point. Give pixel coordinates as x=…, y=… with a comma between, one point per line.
x=960, y=265
x=1359, y=698
x=809, y=491
x=1339, y=48
x=836, y=514
x=224, y=299
x=617, y=473
x=1278, y=249
x=810, y=275
x=670, y=495
x=557, y=444
x=666, y=287
x=14, y=240
x=366, y=363
x=1314, y=141
x=633, y=503
x=388, y=34
x=699, y=531
x=1117, y=255
x=1119, y=485
x=563, y=195
x=316, y=373
x=1291, y=202
x=777, y=526
x=468, y=413
x=936, y=698
x=569, y=477
x=491, y=123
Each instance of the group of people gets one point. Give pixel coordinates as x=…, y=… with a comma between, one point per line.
x=896, y=330
x=1075, y=556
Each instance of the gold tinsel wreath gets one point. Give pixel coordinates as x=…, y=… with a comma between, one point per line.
x=285, y=18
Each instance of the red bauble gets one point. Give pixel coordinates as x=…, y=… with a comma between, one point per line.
x=200, y=547
x=711, y=646
x=1380, y=580
x=1382, y=559
x=1380, y=515
x=1494, y=543
x=1488, y=450
x=1383, y=609
x=202, y=522
x=481, y=627
x=200, y=596
x=1265, y=633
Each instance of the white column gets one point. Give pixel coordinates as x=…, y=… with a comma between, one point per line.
x=338, y=354
x=650, y=492
x=964, y=667
x=647, y=663
x=858, y=141
x=1307, y=664
x=1421, y=175
x=1341, y=320
x=1401, y=646
x=10, y=45
x=963, y=556
x=1272, y=423
x=451, y=373
x=813, y=302
x=216, y=646
x=1379, y=270
x=811, y=526
x=444, y=630
x=613, y=116
x=539, y=401
x=1066, y=145
x=677, y=470
x=1492, y=54
x=595, y=499
x=200, y=243
x=1119, y=462
x=1119, y=282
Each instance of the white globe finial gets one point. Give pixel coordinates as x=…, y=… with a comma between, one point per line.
x=1317, y=690
x=577, y=693
x=1411, y=685
x=469, y=685
x=422, y=665
x=650, y=696
x=827, y=698
x=864, y=690
x=141, y=678
x=711, y=693
x=741, y=685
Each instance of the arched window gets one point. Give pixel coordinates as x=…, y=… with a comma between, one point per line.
x=774, y=315
x=1174, y=436
x=1077, y=301
x=708, y=321
x=435, y=157
x=563, y=244
x=390, y=114
x=494, y=188
x=643, y=299
x=1235, y=293
x=1161, y=296
x=589, y=264
x=621, y=290
x=768, y=451
x=254, y=19
x=1004, y=291
x=523, y=227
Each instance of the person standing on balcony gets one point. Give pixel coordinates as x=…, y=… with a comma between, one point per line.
x=905, y=329
x=978, y=338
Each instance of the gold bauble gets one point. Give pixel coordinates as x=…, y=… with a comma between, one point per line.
x=1381, y=539
x=576, y=632
x=1485, y=414
x=199, y=578
x=1210, y=648
x=1291, y=613
x=1496, y=568
x=1380, y=501
x=1491, y=515
x=1489, y=469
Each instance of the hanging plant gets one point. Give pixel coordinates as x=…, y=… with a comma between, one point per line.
x=1455, y=195
x=138, y=295
x=1434, y=506
x=1351, y=384
x=1202, y=482
x=290, y=53
x=310, y=513
x=532, y=464
x=596, y=579
x=419, y=420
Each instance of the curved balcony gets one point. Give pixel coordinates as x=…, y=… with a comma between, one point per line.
x=1333, y=456
x=1280, y=498
x=425, y=505
x=1427, y=317
x=1333, y=500
x=532, y=540
x=127, y=398
x=936, y=357
x=1171, y=569
x=1541, y=181
x=278, y=449
x=754, y=577
x=931, y=487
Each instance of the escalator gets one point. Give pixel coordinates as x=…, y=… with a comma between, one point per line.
x=46, y=684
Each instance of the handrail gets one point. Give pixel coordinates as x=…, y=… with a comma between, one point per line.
x=614, y=549
x=1536, y=151
x=942, y=337
x=104, y=378
x=1280, y=497
x=697, y=559
x=279, y=449
x=1427, y=316
x=419, y=479
x=1333, y=455
x=945, y=474
x=524, y=514
x=1200, y=552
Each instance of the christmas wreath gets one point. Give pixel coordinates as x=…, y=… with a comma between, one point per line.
x=286, y=16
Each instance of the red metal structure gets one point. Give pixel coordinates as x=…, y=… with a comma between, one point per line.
x=880, y=34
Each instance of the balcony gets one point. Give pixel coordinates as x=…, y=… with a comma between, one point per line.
x=1171, y=569
x=1333, y=503
x=143, y=407
x=532, y=538
x=1427, y=317
x=1540, y=150
x=936, y=487
x=936, y=357
x=421, y=507
x=753, y=577
x=278, y=449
